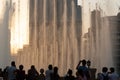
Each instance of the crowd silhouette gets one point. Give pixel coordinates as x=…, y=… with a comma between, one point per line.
x=83, y=72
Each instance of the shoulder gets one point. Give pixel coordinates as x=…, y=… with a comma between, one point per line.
x=115, y=74
x=12, y=68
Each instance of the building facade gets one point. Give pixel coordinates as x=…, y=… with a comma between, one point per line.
x=114, y=24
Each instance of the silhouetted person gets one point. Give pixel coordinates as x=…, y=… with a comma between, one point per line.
x=112, y=75
x=41, y=76
x=20, y=73
x=55, y=75
x=104, y=74
x=1, y=74
x=88, y=63
x=83, y=68
x=32, y=73
x=49, y=72
x=69, y=75
x=5, y=73
x=99, y=76
x=12, y=71
x=80, y=75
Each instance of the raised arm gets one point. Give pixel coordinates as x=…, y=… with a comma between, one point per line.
x=78, y=64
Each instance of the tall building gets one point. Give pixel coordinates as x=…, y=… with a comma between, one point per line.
x=114, y=24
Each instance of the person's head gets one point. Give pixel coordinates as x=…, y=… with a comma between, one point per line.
x=55, y=69
x=83, y=62
x=21, y=67
x=104, y=69
x=32, y=67
x=112, y=69
x=41, y=71
x=88, y=63
x=50, y=67
x=13, y=63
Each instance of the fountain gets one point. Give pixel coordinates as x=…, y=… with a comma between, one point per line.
x=98, y=44
x=4, y=34
x=55, y=34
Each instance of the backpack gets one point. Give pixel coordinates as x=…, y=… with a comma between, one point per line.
x=105, y=77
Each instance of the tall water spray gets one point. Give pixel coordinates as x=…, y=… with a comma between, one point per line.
x=4, y=34
x=97, y=43
x=55, y=35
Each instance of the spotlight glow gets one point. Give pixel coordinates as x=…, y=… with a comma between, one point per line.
x=19, y=24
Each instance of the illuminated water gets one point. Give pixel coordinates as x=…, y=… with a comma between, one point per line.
x=45, y=32
x=52, y=40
